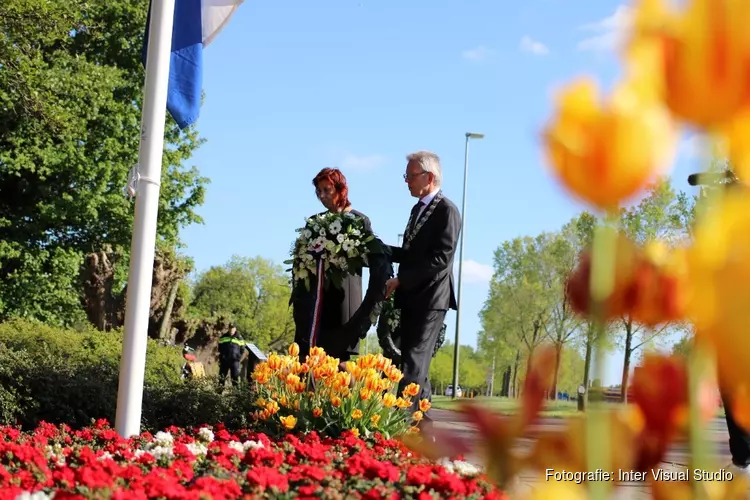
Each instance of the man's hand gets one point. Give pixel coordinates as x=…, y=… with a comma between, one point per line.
x=390, y=286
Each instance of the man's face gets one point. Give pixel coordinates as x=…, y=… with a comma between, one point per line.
x=419, y=181
x=233, y=330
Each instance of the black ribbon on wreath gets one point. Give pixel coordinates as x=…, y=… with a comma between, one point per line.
x=389, y=332
x=309, y=301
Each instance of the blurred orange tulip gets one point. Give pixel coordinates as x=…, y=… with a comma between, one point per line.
x=705, y=56
x=497, y=433
x=608, y=152
x=649, y=284
x=660, y=391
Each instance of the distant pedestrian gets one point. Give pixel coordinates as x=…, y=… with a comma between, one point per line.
x=231, y=350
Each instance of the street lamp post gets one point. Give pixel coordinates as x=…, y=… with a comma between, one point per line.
x=469, y=136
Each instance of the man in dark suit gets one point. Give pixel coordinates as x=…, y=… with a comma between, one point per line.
x=424, y=283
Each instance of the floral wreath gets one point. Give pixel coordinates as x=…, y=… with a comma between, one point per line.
x=330, y=247
x=389, y=332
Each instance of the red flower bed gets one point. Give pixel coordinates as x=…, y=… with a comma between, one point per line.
x=203, y=463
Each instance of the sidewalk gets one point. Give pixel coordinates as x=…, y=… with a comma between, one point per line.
x=677, y=457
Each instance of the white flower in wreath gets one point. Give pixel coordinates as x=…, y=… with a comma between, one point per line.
x=316, y=228
x=322, y=232
x=346, y=245
x=355, y=232
x=302, y=273
x=335, y=227
x=340, y=238
x=330, y=245
x=306, y=234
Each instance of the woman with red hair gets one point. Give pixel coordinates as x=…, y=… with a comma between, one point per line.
x=337, y=334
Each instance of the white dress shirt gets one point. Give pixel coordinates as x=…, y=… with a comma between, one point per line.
x=426, y=201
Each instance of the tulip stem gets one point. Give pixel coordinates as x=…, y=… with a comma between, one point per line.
x=601, y=286
x=699, y=447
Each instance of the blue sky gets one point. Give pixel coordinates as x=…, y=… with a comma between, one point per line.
x=296, y=86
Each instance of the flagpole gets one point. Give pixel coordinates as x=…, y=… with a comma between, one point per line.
x=137, y=310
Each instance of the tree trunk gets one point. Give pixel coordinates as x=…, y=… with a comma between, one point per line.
x=505, y=391
x=558, y=356
x=587, y=366
x=166, y=321
x=626, y=361
x=515, y=373
x=491, y=388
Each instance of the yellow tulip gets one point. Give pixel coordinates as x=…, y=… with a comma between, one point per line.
x=389, y=400
x=288, y=422
x=374, y=420
x=705, y=56
x=356, y=414
x=272, y=407
x=719, y=271
x=559, y=490
x=410, y=390
x=365, y=394
x=294, y=349
x=607, y=152
x=403, y=403
x=317, y=412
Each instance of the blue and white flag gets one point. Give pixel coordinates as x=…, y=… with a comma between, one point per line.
x=196, y=24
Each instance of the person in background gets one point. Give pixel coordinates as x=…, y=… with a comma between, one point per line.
x=231, y=350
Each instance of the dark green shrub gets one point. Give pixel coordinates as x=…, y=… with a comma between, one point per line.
x=66, y=376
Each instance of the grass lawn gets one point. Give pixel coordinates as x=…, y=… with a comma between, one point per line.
x=507, y=406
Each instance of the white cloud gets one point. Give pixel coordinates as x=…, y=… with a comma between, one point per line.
x=697, y=147
x=474, y=272
x=477, y=54
x=532, y=46
x=609, y=33
x=364, y=162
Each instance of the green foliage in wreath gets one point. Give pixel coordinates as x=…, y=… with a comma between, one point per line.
x=389, y=332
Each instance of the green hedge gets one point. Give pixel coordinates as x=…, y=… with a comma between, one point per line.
x=67, y=376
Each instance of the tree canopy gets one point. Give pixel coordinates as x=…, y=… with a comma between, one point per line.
x=70, y=106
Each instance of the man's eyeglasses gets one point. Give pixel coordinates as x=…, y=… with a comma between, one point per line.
x=408, y=177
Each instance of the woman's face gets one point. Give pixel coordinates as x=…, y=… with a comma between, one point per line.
x=325, y=193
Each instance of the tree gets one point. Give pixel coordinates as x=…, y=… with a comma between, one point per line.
x=441, y=368
x=561, y=256
x=571, y=370
x=251, y=292
x=661, y=215
x=521, y=292
x=684, y=346
x=70, y=105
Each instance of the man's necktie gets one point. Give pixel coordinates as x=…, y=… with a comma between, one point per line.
x=413, y=217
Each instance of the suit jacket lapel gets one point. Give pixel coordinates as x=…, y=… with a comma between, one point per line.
x=422, y=219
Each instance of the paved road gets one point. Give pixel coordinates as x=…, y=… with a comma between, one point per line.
x=677, y=457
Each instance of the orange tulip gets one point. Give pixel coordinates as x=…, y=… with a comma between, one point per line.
x=705, y=56
x=660, y=391
x=497, y=433
x=608, y=152
x=649, y=284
